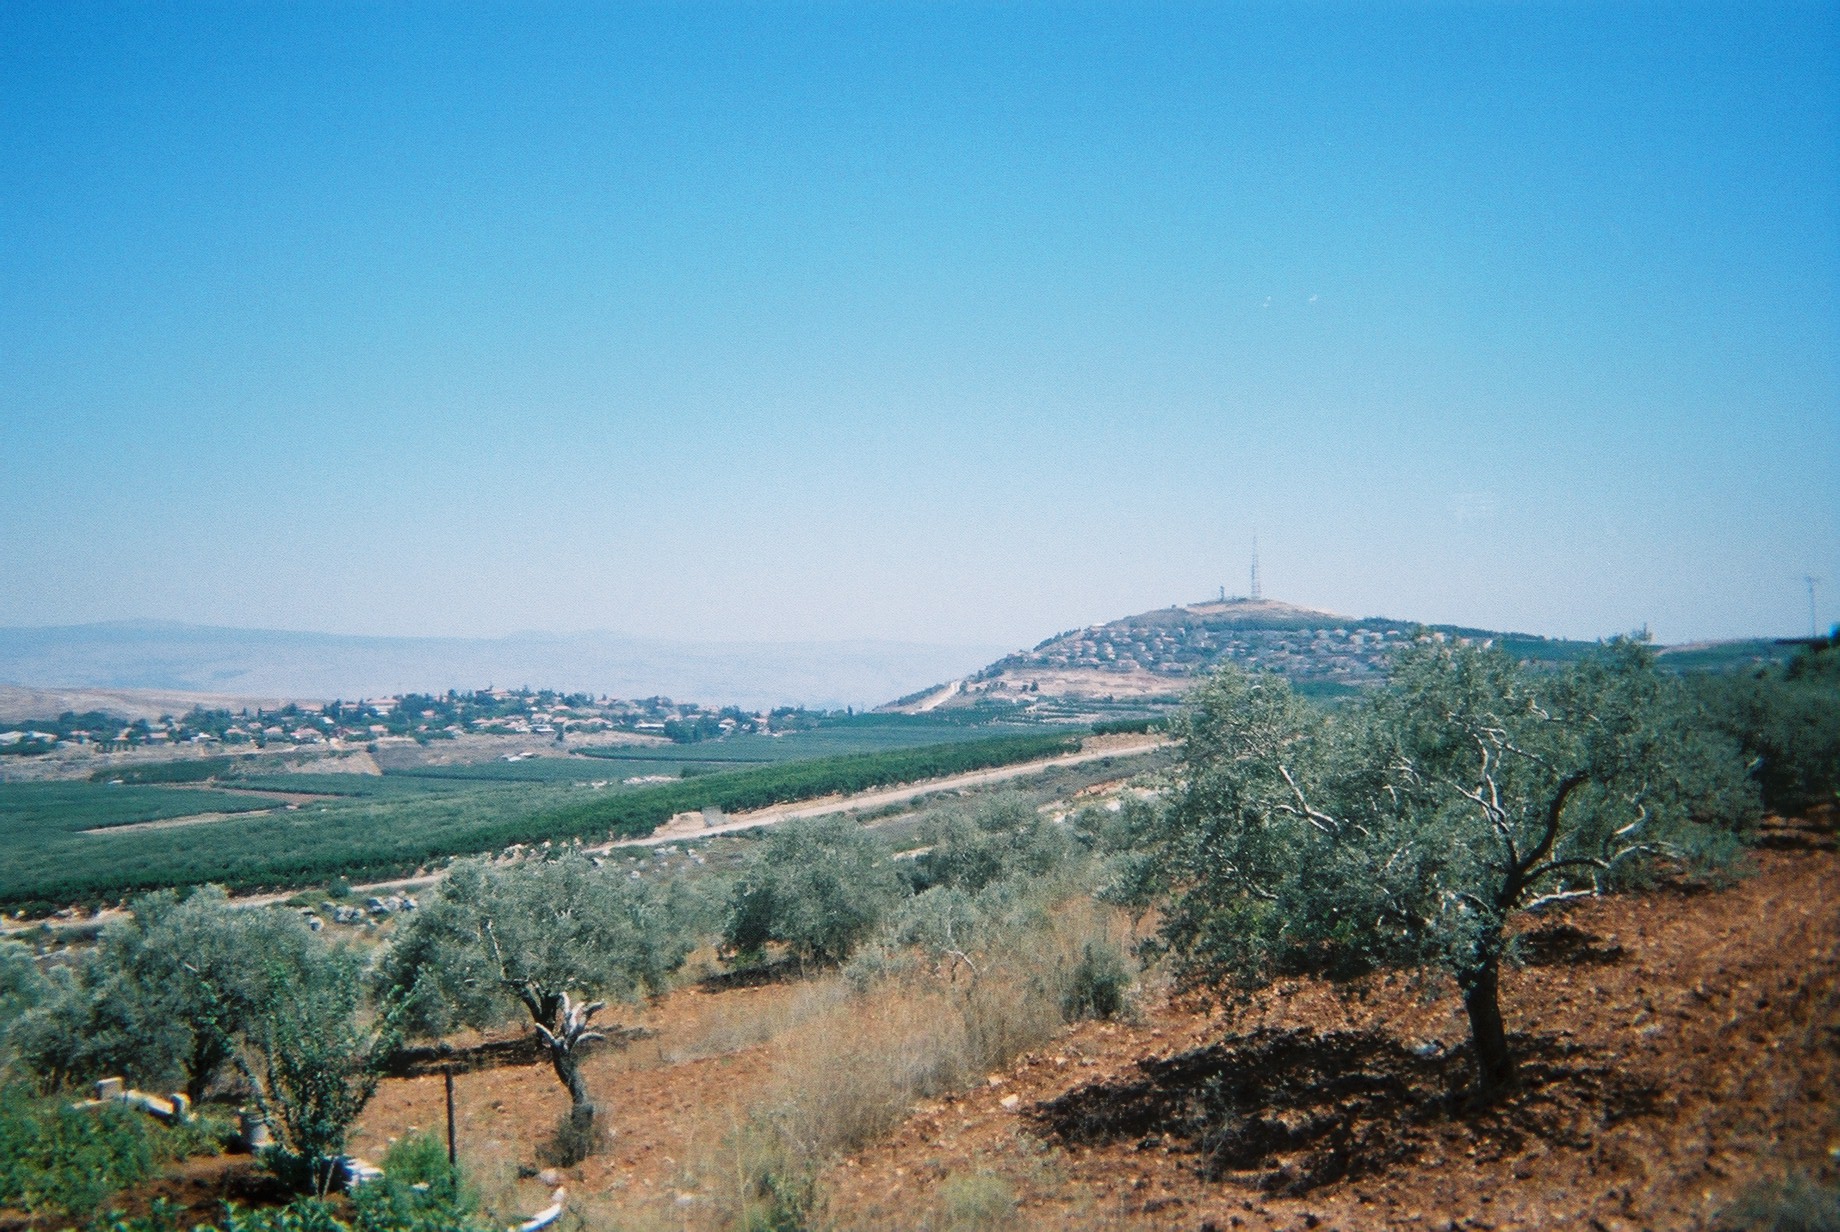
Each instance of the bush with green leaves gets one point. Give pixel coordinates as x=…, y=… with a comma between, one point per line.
x=163, y=995
x=1788, y=722
x=376, y=1207
x=22, y=987
x=819, y=887
x=314, y=1053
x=1007, y=837
x=1099, y=985
x=60, y=1159
x=542, y=939
x=1409, y=828
x=420, y=1190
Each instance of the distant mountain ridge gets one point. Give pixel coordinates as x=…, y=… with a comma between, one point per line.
x=268, y=663
x=1134, y=665
x=1148, y=661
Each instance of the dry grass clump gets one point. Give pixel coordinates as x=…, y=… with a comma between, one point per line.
x=975, y=1202
x=853, y=1072
x=853, y=1051
x=774, y=1012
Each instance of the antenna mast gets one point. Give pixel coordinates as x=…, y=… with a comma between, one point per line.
x=1255, y=595
x=1814, y=630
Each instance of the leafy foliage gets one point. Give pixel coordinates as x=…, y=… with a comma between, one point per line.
x=21, y=988
x=57, y=1158
x=386, y=1206
x=163, y=994
x=817, y=887
x=539, y=937
x=1004, y=838
x=315, y=1056
x=1408, y=829
x=1788, y=722
x=496, y=934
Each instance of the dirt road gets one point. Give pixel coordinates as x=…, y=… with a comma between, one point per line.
x=883, y=796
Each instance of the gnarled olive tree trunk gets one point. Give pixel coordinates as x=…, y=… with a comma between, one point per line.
x=562, y=1025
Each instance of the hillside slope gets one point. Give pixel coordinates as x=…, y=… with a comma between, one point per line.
x=1149, y=660
x=1140, y=664
x=1680, y=1048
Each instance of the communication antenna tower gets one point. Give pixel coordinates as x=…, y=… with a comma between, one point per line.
x=1814, y=630
x=1255, y=595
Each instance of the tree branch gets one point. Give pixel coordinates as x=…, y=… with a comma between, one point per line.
x=1322, y=821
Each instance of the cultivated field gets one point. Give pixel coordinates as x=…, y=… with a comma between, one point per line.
x=80, y=842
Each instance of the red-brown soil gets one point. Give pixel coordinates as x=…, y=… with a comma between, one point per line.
x=1676, y=1046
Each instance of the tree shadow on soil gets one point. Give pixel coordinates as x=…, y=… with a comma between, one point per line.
x=1565, y=945
x=1287, y=1112
x=1813, y=832
x=753, y=975
x=418, y=1062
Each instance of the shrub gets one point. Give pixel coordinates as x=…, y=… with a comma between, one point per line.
x=378, y=1207
x=1787, y=722
x=1099, y=985
x=1008, y=837
x=577, y=1135
x=314, y=1058
x=21, y=988
x=163, y=994
x=817, y=887
x=420, y=1191
x=418, y=1159
x=1126, y=727
x=61, y=1159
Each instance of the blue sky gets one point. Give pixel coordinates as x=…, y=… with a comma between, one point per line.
x=943, y=323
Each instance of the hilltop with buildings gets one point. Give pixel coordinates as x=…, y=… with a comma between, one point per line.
x=1145, y=663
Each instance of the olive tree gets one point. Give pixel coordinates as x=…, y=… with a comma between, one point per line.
x=1006, y=837
x=1410, y=828
x=21, y=988
x=164, y=992
x=542, y=939
x=817, y=887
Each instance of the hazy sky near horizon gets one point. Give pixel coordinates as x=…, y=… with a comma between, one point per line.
x=931, y=322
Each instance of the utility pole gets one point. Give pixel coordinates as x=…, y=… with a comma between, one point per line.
x=1255, y=596
x=1814, y=629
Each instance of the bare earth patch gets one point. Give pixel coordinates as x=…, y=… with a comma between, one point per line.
x=1674, y=1047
